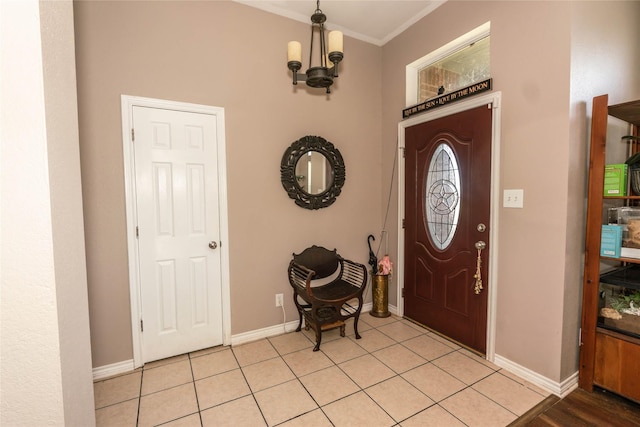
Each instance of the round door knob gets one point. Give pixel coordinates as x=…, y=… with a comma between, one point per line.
x=480, y=245
x=213, y=245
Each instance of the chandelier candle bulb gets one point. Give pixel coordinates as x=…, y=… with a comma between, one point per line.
x=294, y=51
x=324, y=69
x=335, y=41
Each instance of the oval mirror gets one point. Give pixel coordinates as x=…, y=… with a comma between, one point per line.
x=312, y=172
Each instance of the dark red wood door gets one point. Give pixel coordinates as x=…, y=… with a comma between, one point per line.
x=447, y=203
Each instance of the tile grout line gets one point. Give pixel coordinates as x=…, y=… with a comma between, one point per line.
x=460, y=351
x=470, y=386
x=139, y=397
x=335, y=364
x=195, y=389
x=297, y=377
x=253, y=396
x=370, y=353
x=427, y=361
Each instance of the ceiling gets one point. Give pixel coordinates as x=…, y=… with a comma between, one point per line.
x=374, y=22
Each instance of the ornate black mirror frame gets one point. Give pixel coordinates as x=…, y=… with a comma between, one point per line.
x=288, y=172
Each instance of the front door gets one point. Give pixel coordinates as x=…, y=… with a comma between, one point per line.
x=447, y=209
x=178, y=227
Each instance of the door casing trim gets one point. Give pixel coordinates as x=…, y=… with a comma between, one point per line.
x=127, y=104
x=493, y=98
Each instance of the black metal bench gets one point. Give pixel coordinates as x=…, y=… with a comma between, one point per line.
x=327, y=290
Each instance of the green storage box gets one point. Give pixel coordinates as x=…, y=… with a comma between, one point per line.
x=615, y=179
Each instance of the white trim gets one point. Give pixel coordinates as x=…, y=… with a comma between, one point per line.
x=118, y=368
x=238, y=339
x=127, y=104
x=560, y=389
x=493, y=98
x=392, y=309
x=276, y=8
x=267, y=332
x=274, y=330
x=412, y=69
x=366, y=308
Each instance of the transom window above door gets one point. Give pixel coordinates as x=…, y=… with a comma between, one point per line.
x=458, y=64
x=460, y=69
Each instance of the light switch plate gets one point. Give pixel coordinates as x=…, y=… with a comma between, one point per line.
x=513, y=198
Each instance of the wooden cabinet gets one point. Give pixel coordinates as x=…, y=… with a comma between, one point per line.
x=610, y=352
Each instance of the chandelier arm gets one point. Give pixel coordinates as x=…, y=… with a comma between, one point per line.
x=319, y=76
x=301, y=77
x=311, y=47
x=335, y=57
x=323, y=48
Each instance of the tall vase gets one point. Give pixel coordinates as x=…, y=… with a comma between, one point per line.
x=380, y=290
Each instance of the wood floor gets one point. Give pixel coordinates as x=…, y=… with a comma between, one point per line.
x=581, y=408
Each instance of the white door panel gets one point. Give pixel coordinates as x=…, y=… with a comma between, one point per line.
x=177, y=216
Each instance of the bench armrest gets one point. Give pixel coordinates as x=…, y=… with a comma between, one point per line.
x=354, y=273
x=300, y=277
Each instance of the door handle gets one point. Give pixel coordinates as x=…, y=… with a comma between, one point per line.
x=480, y=245
x=213, y=244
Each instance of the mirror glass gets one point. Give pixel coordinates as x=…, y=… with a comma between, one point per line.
x=313, y=173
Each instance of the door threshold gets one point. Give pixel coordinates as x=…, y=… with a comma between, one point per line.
x=440, y=334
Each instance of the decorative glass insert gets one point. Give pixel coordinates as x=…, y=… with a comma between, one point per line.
x=460, y=69
x=442, y=198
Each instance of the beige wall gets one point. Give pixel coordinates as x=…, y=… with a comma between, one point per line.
x=45, y=350
x=605, y=59
x=228, y=55
x=58, y=60
x=540, y=246
x=531, y=68
x=231, y=56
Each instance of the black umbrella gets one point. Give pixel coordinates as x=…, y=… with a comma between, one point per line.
x=373, y=261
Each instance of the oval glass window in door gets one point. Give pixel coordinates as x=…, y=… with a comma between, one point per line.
x=442, y=201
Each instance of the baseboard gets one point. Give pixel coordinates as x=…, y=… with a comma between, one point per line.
x=114, y=369
x=392, y=309
x=257, y=334
x=560, y=389
x=271, y=331
x=368, y=306
x=243, y=338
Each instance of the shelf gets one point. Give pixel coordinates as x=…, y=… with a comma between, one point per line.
x=621, y=259
x=622, y=197
x=610, y=348
x=619, y=330
x=628, y=276
x=628, y=111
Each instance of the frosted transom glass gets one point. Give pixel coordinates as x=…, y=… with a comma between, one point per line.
x=442, y=198
x=468, y=65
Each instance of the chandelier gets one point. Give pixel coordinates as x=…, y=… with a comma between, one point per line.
x=324, y=69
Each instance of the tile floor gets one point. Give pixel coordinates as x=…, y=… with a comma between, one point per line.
x=398, y=374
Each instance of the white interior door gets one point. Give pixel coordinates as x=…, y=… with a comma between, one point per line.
x=178, y=231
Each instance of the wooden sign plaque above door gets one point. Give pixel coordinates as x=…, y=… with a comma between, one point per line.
x=457, y=95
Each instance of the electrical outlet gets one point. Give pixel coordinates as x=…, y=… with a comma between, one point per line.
x=279, y=300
